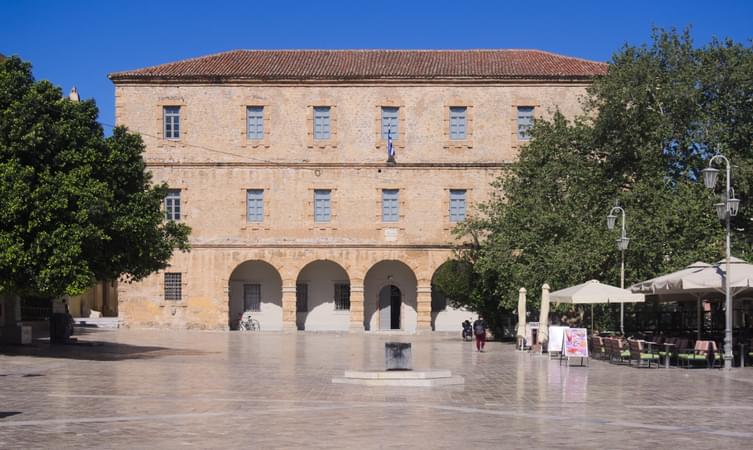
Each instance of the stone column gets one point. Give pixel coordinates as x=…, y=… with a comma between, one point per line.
x=288, y=307
x=423, y=308
x=357, y=298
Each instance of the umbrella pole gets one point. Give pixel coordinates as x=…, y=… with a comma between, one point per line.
x=698, y=316
x=592, y=318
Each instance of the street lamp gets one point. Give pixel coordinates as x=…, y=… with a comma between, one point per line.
x=725, y=210
x=622, y=245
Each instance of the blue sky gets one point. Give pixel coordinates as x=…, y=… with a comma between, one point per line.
x=79, y=42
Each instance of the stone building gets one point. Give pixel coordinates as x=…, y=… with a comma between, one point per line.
x=278, y=160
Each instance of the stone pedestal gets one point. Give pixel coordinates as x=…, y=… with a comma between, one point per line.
x=398, y=356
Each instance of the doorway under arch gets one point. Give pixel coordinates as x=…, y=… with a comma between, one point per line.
x=390, y=304
x=390, y=297
x=323, y=297
x=256, y=286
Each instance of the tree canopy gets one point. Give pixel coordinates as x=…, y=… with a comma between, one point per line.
x=647, y=129
x=75, y=206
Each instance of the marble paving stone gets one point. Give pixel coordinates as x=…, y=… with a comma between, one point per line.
x=183, y=389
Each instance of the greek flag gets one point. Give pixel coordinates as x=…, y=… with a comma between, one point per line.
x=390, y=148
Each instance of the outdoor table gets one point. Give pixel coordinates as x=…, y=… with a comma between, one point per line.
x=666, y=351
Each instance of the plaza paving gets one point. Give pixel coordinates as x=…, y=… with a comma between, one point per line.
x=182, y=389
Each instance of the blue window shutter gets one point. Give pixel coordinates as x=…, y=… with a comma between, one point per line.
x=457, y=205
x=390, y=205
x=322, y=122
x=458, y=122
x=255, y=122
x=255, y=205
x=322, y=208
x=390, y=115
x=525, y=121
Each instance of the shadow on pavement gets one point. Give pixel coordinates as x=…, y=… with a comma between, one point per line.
x=93, y=350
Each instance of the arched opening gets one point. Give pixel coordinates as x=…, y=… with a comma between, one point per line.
x=445, y=317
x=323, y=297
x=390, y=297
x=390, y=304
x=256, y=286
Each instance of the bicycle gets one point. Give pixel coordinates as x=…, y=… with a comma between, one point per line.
x=248, y=323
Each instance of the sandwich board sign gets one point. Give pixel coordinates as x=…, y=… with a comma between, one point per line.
x=575, y=344
x=556, y=335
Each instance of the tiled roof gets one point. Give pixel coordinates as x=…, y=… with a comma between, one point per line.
x=370, y=65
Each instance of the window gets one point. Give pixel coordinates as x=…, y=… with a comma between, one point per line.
x=171, y=119
x=172, y=205
x=458, y=122
x=342, y=296
x=390, y=207
x=255, y=205
x=255, y=122
x=457, y=205
x=525, y=122
x=173, y=286
x=252, y=297
x=322, y=208
x=321, y=122
x=389, y=122
x=302, y=297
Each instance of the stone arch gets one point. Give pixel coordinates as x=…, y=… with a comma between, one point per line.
x=390, y=273
x=255, y=285
x=445, y=317
x=322, y=287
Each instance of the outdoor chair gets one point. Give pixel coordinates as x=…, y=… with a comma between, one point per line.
x=641, y=355
x=704, y=351
x=617, y=353
x=598, y=348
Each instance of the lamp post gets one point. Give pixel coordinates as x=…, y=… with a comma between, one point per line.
x=622, y=245
x=726, y=209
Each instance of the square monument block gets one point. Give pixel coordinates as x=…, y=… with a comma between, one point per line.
x=398, y=356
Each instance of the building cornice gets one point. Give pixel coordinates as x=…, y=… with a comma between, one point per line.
x=319, y=165
x=490, y=82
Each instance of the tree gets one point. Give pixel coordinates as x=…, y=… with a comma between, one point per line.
x=649, y=126
x=75, y=207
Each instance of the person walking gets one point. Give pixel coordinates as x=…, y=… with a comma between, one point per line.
x=479, y=330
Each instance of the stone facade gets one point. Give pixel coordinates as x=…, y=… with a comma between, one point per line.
x=213, y=163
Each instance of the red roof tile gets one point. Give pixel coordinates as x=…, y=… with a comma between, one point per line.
x=370, y=65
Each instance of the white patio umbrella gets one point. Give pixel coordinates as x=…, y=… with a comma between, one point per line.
x=698, y=281
x=544, y=315
x=667, y=281
x=521, y=334
x=593, y=292
x=700, y=278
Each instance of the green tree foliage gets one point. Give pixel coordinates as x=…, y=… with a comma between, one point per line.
x=649, y=126
x=75, y=207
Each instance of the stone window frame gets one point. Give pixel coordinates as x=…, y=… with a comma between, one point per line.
x=255, y=143
x=333, y=204
x=458, y=144
x=446, y=204
x=184, y=199
x=159, y=121
x=381, y=143
x=321, y=143
x=167, y=197
x=183, y=288
x=255, y=226
x=400, y=224
x=537, y=114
